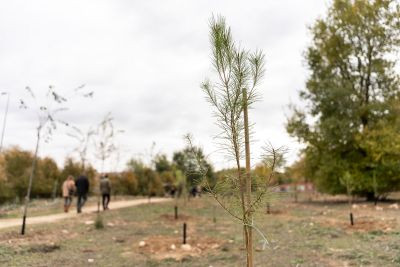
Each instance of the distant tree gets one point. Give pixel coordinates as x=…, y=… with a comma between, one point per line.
x=137, y=167
x=84, y=139
x=189, y=161
x=16, y=166
x=124, y=183
x=71, y=167
x=162, y=164
x=104, y=139
x=349, y=94
x=48, y=178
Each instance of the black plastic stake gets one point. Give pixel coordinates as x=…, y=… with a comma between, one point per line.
x=351, y=219
x=268, y=208
x=176, y=212
x=184, y=233
x=23, y=225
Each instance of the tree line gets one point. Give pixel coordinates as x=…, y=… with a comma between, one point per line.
x=138, y=178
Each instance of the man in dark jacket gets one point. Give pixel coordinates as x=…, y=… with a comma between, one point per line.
x=82, y=189
x=105, y=189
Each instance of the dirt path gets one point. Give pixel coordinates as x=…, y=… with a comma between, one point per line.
x=5, y=223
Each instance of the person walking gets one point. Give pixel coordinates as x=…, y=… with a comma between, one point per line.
x=68, y=189
x=105, y=189
x=82, y=189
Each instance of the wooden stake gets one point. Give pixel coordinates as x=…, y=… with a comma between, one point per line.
x=184, y=233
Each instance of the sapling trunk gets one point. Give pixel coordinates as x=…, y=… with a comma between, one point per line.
x=176, y=212
x=350, y=207
x=4, y=122
x=28, y=194
x=55, y=186
x=214, y=215
x=249, y=218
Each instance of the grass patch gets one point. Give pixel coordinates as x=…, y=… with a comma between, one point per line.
x=295, y=238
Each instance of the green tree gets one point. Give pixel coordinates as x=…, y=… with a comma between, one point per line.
x=349, y=92
x=162, y=164
x=190, y=161
x=48, y=178
x=17, y=163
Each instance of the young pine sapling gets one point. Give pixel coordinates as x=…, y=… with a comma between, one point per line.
x=239, y=73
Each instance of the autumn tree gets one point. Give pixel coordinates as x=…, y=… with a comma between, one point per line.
x=348, y=117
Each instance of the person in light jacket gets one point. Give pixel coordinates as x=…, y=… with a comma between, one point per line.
x=68, y=189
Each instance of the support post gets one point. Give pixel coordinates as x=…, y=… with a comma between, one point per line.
x=184, y=233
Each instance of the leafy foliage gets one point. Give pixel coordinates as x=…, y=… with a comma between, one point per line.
x=351, y=96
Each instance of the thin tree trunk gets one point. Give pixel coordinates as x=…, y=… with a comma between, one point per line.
x=4, y=122
x=98, y=186
x=249, y=219
x=28, y=195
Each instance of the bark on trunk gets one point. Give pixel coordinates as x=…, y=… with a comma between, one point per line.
x=249, y=217
x=28, y=194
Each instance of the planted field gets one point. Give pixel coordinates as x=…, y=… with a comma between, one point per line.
x=300, y=234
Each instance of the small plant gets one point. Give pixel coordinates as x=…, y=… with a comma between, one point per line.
x=98, y=224
x=83, y=139
x=348, y=181
x=104, y=142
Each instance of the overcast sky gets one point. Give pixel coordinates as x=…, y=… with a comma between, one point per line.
x=145, y=61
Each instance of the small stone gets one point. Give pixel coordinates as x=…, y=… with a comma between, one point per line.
x=142, y=244
x=186, y=247
x=215, y=246
x=176, y=232
x=110, y=224
x=173, y=247
x=378, y=208
x=394, y=206
x=231, y=241
x=311, y=224
x=89, y=222
x=90, y=260
x=65, y=231
x=355, y=206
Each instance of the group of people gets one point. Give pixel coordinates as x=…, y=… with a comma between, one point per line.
x=80, y=188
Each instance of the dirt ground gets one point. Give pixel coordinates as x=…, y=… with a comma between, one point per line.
x=306, y=233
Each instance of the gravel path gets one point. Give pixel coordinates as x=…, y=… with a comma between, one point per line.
x=5, y=223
